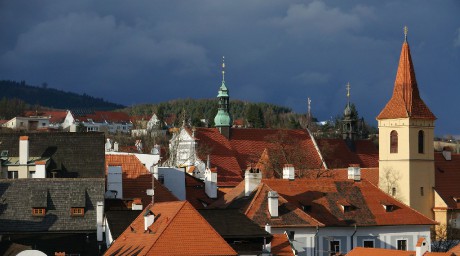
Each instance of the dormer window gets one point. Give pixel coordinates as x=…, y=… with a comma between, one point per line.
x=389, y=207
x=346, y=206
x=77, y=211
x=38, y=211
x=306, y=208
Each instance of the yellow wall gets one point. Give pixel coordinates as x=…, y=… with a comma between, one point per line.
x=410, y=170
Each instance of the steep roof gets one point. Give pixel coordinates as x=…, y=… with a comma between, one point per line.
x=406, y=101
x=337, y=154
x=281, y=246
x=137, y=179
x=246, y=146
x=174, y=232
x=72, y=154
x=57, y=196
x=447, y=178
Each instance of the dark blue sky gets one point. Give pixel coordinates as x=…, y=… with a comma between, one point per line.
x=282, y=52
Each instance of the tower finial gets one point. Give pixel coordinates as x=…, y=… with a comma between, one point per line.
x=223, y=69
x=405, y=33
x=348, y=92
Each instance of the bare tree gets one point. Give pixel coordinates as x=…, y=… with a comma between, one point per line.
x=389, y=182
x=444, y=237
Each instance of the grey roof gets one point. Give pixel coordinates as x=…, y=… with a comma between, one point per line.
x=72, y=155
x=17, y=200
x=119, y=220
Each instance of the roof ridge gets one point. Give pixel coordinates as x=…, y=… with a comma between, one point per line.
x=259, y=188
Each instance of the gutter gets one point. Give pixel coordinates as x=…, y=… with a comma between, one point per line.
x=351, y=245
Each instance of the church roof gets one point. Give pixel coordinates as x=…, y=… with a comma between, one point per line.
x=406, y=101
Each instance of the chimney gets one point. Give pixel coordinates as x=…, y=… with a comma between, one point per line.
x=273, y=203
x=136, y=204
x=422, y=247
x=447, y=153
x=115, y=146
x=252, y=178
x=149, y=218
x=23, y=149
x=40, y=169
x=354, y=172
x=99, y=220
x=268, y=228
x=288, y=172
x=210, y=182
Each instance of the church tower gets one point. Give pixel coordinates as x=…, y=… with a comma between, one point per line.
x=349, y=121
x=223, y=121
x=406, y=133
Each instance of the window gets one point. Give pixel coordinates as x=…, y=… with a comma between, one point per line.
x=393, y=191
x=77, y=211
x=402, y=245
x=420, y=142
x=12, y=174
x=334, y=247
x=291, y=235
x=368, y=243
x=421, y=191
x=394, y=142
x=306, y=208
x=389, y=207
x=38, y=211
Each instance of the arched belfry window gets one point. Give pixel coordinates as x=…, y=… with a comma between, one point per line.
x=394, y=142
x=421, y=140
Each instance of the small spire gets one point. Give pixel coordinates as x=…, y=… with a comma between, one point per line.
x=223, y=69
x=348, y=92
x=405, y=33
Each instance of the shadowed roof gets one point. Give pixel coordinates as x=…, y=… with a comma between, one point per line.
x=337, y=154
x=447, y=179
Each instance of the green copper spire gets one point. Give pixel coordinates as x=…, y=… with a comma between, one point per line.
x=223, y=118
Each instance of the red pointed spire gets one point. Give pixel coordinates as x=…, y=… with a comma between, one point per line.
x=406, y=101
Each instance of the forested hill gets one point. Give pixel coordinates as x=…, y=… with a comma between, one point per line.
x=52, y=98
x=194, y=110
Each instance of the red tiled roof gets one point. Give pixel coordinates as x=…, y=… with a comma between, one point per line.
x=105, y=116
x=221, y=156
x=175, y=231
x=246, y=146
x=455, y=249
x=281, y=246
x=137, y=179
x=447, y=178
x=406, y=101
x=324, y=194
x=337, y=154
x=56, y=116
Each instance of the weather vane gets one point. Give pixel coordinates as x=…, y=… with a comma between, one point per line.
x=223, y=68
x=405, y=33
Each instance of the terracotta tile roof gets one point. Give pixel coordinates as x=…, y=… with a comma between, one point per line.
x=447, y=178
x=246, y=146
x=103, y=116
x=406, y=101
x=222, y=156
x=137, y=179
x=455, y=249
x=281, y=246
x=369, y=174
x=56, y=116
x=195, y=192
x=174, y=232
x=323, y=196
x=337, y=154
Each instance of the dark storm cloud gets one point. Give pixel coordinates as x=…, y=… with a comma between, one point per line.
x=276, y=51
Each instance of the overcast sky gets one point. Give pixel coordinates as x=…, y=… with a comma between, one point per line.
x=146, y=51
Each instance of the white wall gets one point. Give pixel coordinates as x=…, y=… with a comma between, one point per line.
x=174, y=180
x=384, y=237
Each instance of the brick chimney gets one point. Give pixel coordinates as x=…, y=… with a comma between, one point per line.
x=23, y=149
